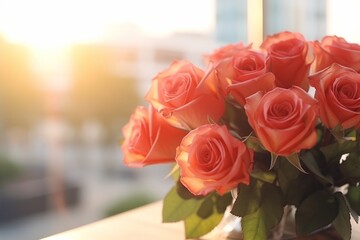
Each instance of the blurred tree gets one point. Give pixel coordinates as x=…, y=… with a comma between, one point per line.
x=20, y=100
x=8, y=170
x=97, y=92
x=129, y=202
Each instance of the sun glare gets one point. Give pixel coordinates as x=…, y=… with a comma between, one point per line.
x=55, y=23
x=50, y=24
x=50, y=27
x=342, y=17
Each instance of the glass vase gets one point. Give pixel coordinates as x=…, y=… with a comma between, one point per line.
x=230, y=227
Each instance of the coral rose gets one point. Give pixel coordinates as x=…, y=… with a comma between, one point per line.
x=283, y=119
x=149, y=139
x=186, y=96
x=333, y=49
x=338, y=92
x=290, y=59
x=244, y=74
x=211, y=159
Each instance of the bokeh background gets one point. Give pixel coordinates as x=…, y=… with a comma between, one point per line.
x=72, y=72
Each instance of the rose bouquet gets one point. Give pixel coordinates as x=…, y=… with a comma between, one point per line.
x=279, y=124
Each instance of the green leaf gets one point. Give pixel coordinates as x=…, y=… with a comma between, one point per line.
x=184, y=193
x=272, y=204
x=300, y=188
x=338, y=133
x=286, y=174
x=295, y=161
x=176, y=208
x=315, y=212
x=342, y=135
x=350, y=134
x=253, y=226
x=254, y=143
x=222, y=202
x=208, y=215
x=236, y=118
x=266, y=176
x=342, y=221
x=206, y=209
x=248, y=198
x=353, y=214
x=336, y=150
x=353, y=196
x=257, y=225
x=197, y=226
x=310, y=162
x=351, y=166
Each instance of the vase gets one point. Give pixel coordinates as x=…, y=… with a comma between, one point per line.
x=230, y=229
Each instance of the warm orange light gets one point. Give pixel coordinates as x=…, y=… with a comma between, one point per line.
x=50, y=27
x=58, y=23
x=255, y=22
x=50, y=24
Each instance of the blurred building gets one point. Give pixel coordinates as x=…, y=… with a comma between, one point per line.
x=142, y=57
x=65, y=148
x=231, y=24
x=307, y=16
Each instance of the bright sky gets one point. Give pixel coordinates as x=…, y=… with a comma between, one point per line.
x=56, y=23
x=49, y=27
x=343, y=19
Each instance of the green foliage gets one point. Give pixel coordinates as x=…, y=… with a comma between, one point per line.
x=265, y=176
x=260, y=205
x=179, y=204
x=8, y=170
x=342, y=221
x=248, y=199
x=351, y=166
x=199, y=224
x=300, y=188
x=234, y=117
x=307, y=180
x=222, y=202
x=287, y=173
x=257, y=225
x=130, y=202
x=200, y=214
x=353, y=196
x=254, y=143
x=97, y=91
x=336, y=150
x=317, y=211
x=311, y=163
x=208, y=216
